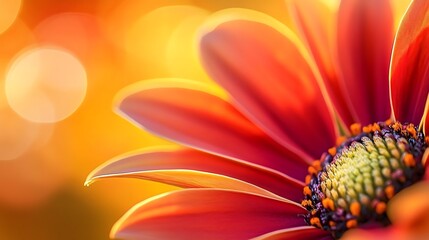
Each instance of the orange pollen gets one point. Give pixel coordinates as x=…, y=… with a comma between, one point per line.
x=307, y=191
x=388, y=121
x=412, y=130
x=306, y=203
x=307, y=179
x=315, y=221
x=409, y=160
x=328, y=203
x=312, y=170
x=397, y=126
x=341, y=139
x=332, y=151
x=390, y=191
x=352, y=183
x=355, y=129
x=380, y=208
x=317, y=165
x=351, y=223
x=367, y=129
x=355, y=209
x=375, y=127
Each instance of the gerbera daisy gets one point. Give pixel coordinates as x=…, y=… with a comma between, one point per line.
x=271, y=158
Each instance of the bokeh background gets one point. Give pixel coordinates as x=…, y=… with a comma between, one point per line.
x=61, y=64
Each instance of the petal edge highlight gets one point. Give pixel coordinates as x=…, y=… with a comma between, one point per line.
x=206, y=214
x=201, y=120
x=147, y=160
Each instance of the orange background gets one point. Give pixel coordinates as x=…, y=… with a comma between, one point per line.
x=50, y=138
x=54, y=133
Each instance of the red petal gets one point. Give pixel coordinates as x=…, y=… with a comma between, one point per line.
x=410, y=64
x=408, y=213
x=390, y=233
x=207, y=214
x=204, y=121
x=138, y=163
x=302, y=233
x=268, y=77
x=365, y=39
x=317, y=24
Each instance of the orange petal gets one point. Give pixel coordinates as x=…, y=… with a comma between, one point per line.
x=414, y=215
x=410, y=64
x=408, y=213
x=207, y=214
x=317, y=24
x=137, y=164
x=199, y=119
x=307, y=232
x=365, y=39
x=195, y=179
x=270, y=79
x=390, y=233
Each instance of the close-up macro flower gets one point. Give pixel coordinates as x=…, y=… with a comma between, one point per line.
x=313, y=129
x=214, y=119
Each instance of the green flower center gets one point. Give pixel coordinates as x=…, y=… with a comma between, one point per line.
x=351, y=185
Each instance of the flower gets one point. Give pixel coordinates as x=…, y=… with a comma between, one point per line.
x=248, y=156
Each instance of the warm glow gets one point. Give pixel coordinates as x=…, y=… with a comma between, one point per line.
x=182, y=48
x=45, y=84
x=154, y=45
x=79, y=36
x=17, y=134
x=8, y=12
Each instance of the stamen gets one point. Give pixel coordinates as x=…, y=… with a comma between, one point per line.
x=315, y=222
x=355, y=209
x=380, y=208
x=307, y=191
x=328, y=203
x=352, y=182
x=332, y=151
x=355, y=129
x=409, y=160
x=412, y=130
x=389, y=191
x=307, y=179
x=352, y=223
x=367, y=129
x=317, y=165
x=341, y=139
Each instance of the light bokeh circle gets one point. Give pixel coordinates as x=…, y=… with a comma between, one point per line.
x=45, y=84
x=9, y=10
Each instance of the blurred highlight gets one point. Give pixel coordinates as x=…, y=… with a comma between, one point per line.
x=62, y=64
x=8, y=13
x=45, y=85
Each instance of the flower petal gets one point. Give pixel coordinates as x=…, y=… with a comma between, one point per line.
x=391, y=233
x=303, y=233
x=410, y=64
x=207, y=214
x=415, y=214
x=317, y=24
x=408, y=213
x=270, y=79
x=365, y=39
x=202, y=120
x=196, y=179
x=137, y=164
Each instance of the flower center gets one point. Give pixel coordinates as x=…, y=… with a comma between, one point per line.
x=352, y=183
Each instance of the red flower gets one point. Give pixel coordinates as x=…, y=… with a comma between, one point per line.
x=248, y=155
